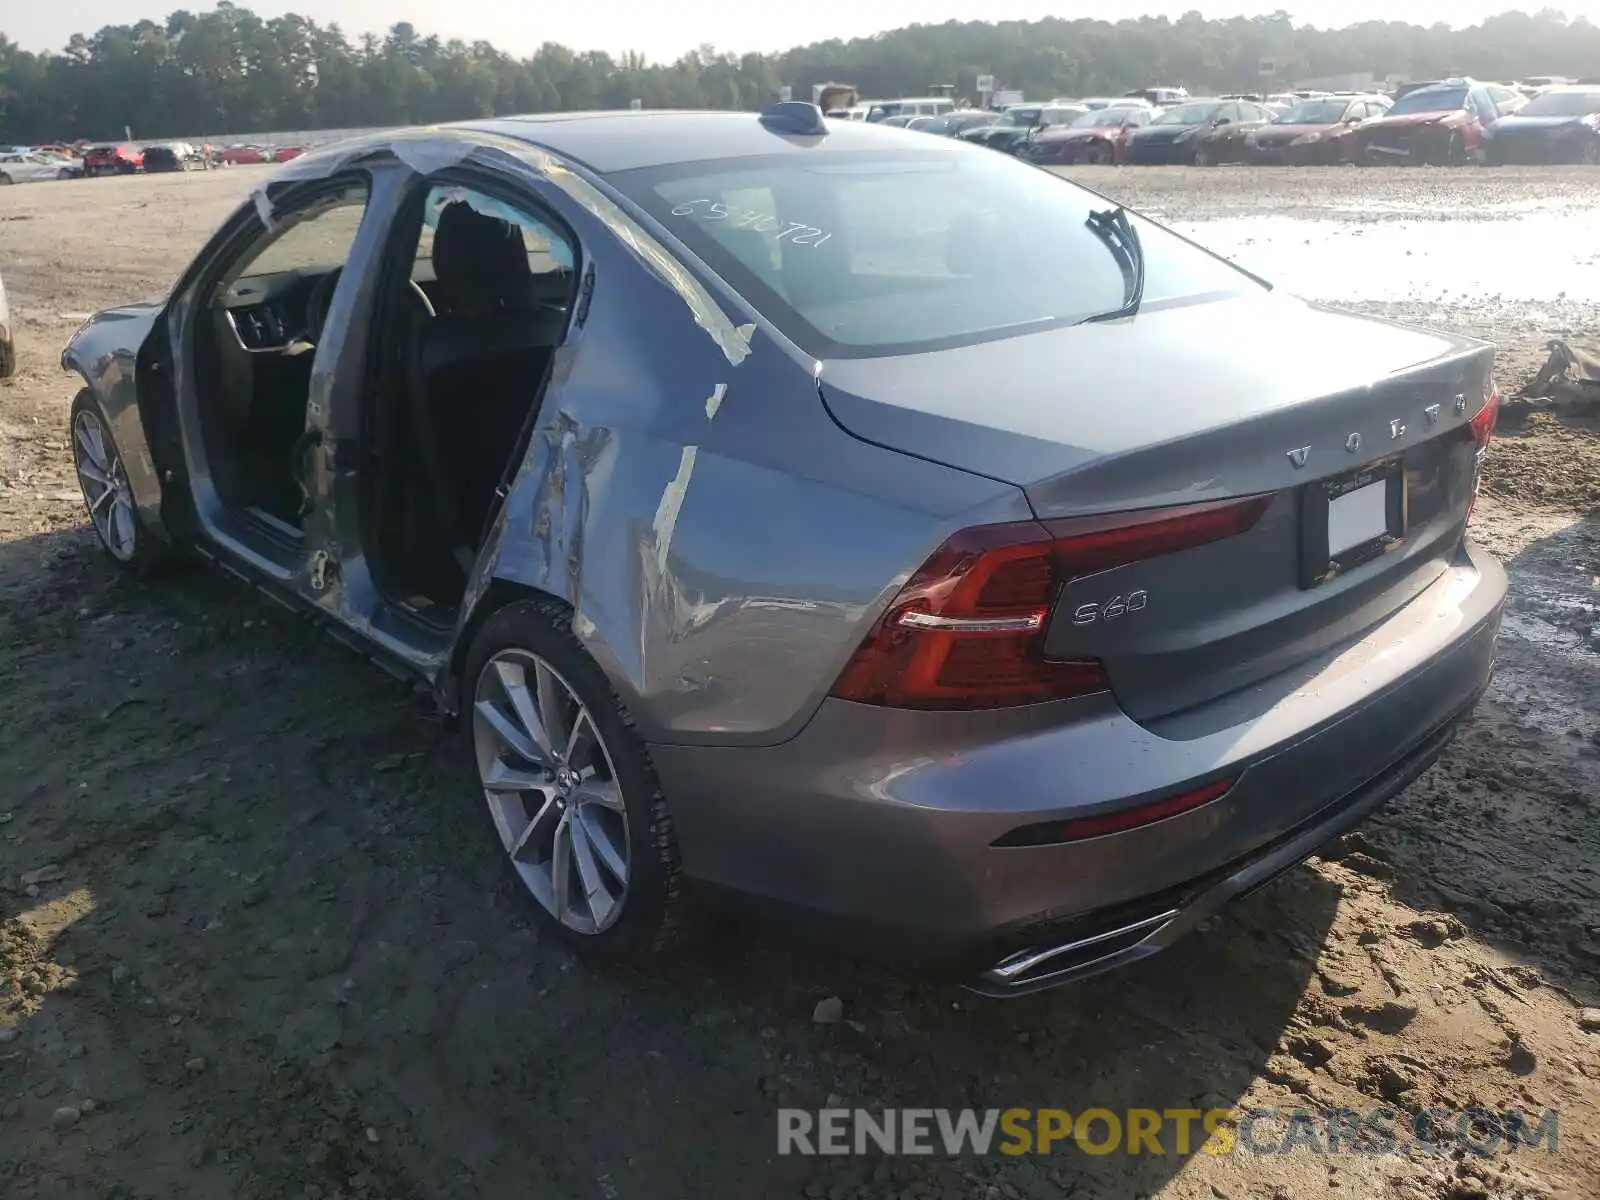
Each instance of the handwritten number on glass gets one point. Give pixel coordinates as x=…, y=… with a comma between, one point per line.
x=712, y=211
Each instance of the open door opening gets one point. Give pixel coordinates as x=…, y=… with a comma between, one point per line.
x=478, y=300
x=257, y=332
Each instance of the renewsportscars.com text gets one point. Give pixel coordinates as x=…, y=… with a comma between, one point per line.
x=1151, y=1131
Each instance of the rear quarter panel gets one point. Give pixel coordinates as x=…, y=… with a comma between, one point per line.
x=724, y=545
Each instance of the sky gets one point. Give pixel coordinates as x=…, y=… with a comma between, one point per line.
x=662, y=31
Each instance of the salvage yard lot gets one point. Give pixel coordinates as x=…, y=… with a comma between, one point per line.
x=266, y=947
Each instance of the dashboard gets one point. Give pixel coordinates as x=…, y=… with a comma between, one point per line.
x=272, y=312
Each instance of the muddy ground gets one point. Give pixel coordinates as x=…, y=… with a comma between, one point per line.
x=270, y=949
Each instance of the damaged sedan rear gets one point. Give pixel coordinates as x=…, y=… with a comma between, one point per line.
x=1442, y=124
x=873, y=529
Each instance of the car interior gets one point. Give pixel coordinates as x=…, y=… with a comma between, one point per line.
x=256, y=339
x=457, y=383
x=464, y=341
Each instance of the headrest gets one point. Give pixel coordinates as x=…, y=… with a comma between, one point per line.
x=479, y=261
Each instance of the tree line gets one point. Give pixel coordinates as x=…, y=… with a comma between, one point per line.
x=231, y=72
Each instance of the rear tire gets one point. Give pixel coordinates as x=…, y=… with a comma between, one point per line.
x=601, y=787
x=1590, y=154
x=1202, y=157
x=8, y=358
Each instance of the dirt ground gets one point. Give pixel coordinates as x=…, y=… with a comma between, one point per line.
x=257, y=940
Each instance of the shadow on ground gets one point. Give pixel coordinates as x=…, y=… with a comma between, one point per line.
x=279, y=920
x=1504, y=833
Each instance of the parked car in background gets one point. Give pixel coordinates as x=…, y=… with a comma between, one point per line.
x=1017, y=125
x=1561, y=124
x=31, y=167
x=112, y=159
x=918, y=635
x=241, y=155
x=1197, y=132
x=1096, y=103
x=958, y=122
x=1161, y=97
x=1099, y=136
x=172, y=156
x=8, y=348
x=910, y=106
x=285, y=153
x=1314, y=131
x=1442, y=124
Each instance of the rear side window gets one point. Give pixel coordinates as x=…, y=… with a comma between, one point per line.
x=874, y=254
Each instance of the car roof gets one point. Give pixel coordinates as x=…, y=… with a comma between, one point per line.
x=606, y=142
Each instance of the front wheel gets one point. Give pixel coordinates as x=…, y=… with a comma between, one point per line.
x=570, y=788
x=1590, y=154
x=104, y=482
x=5, y=179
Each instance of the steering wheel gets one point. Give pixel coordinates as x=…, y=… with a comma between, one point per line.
x=321, y=300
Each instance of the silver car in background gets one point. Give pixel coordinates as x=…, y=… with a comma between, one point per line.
x=28, y=166
x=873, y=528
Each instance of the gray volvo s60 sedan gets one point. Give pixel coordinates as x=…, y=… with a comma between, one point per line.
x=877, y=528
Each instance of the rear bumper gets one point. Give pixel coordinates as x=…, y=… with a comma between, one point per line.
x=1536, y=150
x=878, y=826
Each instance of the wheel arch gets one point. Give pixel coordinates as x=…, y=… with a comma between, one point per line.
x=124, y=360
x=499, y=593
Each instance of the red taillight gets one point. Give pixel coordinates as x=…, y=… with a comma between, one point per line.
x=1084, y=545
x=1482, y=423
x=1482, y=427
x=967, y=630
x=1076, y=829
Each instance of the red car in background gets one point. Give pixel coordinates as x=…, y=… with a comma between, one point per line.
x=285, y=153
x=1319, y=130
x=1100, y=136
x=116, y=159
x=1442, y=123
x=235, y=156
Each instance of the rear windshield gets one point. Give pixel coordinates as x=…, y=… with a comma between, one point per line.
x=856, y=255
x=1562, y=104
x=1188, y=114
x=1315, y=112
x=1429, y=100
x=1104, y=117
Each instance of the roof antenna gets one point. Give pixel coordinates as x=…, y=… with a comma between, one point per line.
x=794, y=116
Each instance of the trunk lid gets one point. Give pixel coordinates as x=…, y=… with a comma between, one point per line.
x=1207, y=402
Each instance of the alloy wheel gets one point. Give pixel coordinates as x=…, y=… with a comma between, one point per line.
x=552, y=789
x=105, y=486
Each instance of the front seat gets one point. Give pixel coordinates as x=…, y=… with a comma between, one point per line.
x=475, y=369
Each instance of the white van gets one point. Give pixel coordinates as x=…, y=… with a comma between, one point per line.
x=914, y=106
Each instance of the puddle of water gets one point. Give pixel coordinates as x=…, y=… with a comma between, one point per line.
x=1534, y=256
x=1437, y=211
